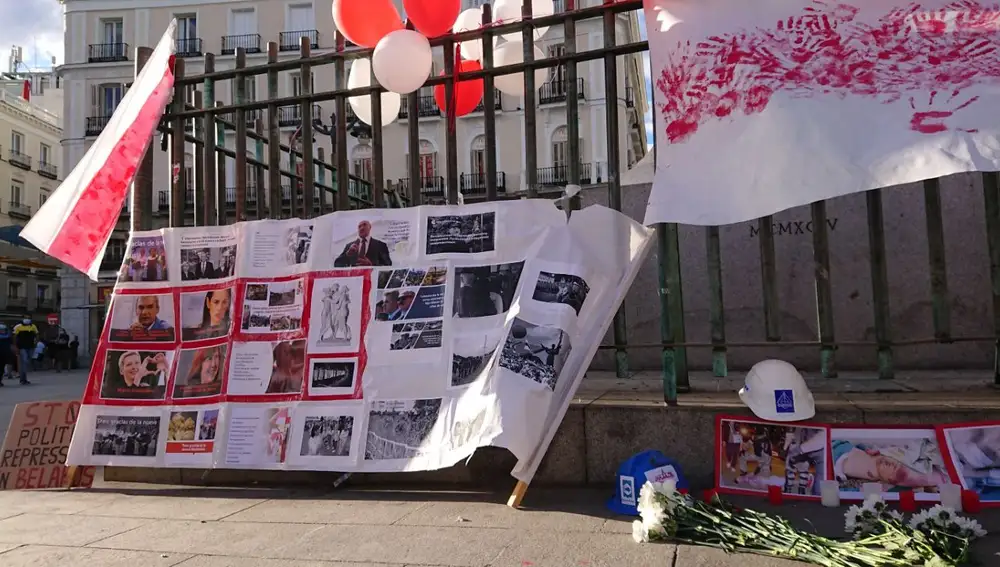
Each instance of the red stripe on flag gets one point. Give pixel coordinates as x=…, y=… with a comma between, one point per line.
x=89, y=224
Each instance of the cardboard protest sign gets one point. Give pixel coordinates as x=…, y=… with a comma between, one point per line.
x=34, y=451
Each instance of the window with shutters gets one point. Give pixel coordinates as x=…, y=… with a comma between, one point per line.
x=297, y=83
x=361, y=161
x=478, y=156
x=16, y=192
x=106, y=98
x=112, y=31
x=558, y=79
x=16, y=142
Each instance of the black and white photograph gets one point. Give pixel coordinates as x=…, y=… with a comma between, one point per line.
x=327, y=436
x=335, y=314
x=278, y=244
x=461, y=234
x=272, y=307
x=126, y=436
x=298, y=240
x=484, y=291
x=566, y=289
x=471, y=354
x=208, y=263
x=416, y=335
x=332, y=376
x=412, y=277
x=400, y=429
x=537, y=352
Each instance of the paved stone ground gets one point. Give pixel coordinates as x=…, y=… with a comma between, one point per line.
x=126, y=525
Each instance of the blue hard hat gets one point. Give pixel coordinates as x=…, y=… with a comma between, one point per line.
x=633, y=473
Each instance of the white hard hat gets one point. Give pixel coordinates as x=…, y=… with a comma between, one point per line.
x=775, y=391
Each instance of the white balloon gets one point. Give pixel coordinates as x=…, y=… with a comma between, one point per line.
x=512, y=53
x=361, y=76
x=402, y=61
x=471, y=19
x=508, y=11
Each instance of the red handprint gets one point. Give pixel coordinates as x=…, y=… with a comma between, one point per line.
x=932, y=120
x=975, y=17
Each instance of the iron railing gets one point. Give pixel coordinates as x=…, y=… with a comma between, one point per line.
x=48, y=170
x=497, y=102
x=107, y=52
x=18, y=159
x=474, y=184
x=682, y=335
x=289, y=116
x=249, y=43
x=290, y=40
x=189, y=47
x=95, y=125
x=426, y=107
x=18, y=209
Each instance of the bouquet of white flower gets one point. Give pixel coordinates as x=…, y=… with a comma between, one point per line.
x=881, y=537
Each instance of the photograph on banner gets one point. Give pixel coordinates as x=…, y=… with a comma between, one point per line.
x=207, y=254
x=135, y=374
x=132, y=436
x=561, y=289
x=416, y=335
x=206, y=314
x=257, y=436
x=335, y=314
x=200, y=372
x=142, y=318
x=402, y=429
x=273, y=307
x=267, y=367
x=472, y=233
x=484, y=291
x=146, y=259
x=414, y=293
x=973, y=452
x=332, y=376
x=191, y=436
x=899, y=459
x=326, y=435
x=471, y=353
x=535, y=352
x=468, y=425
x=275, y=245
x=753, y=455
x=372, y=238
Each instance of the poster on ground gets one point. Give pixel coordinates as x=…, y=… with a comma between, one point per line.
x=368, y=340
x=36, y=445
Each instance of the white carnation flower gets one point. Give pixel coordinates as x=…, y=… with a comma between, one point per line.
x=639, y=532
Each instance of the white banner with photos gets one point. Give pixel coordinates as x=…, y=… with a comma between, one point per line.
x=370, y=340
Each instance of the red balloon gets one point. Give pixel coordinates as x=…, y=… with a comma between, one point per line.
x=365, y=22
x=468, y=93
x=432, y=17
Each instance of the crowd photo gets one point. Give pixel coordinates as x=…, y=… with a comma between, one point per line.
x=400, y=429
x=416, y=335
x=484, y=291
x=461, y=234
x=126, y=436
x=146, y=261
x=471, y=354
x=561, y=288
x=536, y=352
x=208, y=263
x=327, y=436
x=757, y=455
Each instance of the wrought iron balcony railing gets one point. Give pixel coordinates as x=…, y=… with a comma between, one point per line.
x=292, y=115
x=18, y=209
x=189, y=47
x=107, y=52
x=250, y=42
x=17, y=159
x=289, y=40
x=48, y=170
x=474, y=184
x=556, y=90
x=426, y=106
x=95, y=125
x=559, y=174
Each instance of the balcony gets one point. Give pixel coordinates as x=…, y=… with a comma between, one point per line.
x=17, y=159
x=107, y=52
x=250, y=43
x=96, y=125
x=19, y=210
x=289, y=116
x=431, y=186
x=45, y=303
x=289, y=40
x=497, y=102
x=559, y=175
x=251, y=196
x=48, y=170
x=556, y=91
x=426, y=107
x=474, y=184
x=251, y=117
x=17, y=301
x=189, y=47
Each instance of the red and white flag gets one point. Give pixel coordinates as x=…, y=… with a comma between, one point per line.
x=764, y=106
x=75, y=223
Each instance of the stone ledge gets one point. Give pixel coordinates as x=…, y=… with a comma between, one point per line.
x=604, y=427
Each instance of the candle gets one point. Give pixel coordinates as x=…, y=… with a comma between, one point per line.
x=870, y=489
x=829, y=491
x=951, y=496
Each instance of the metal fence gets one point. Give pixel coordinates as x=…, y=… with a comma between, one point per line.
x=193, y=116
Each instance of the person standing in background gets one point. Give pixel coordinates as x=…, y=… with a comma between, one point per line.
x=6, y=352
x=25, y=338
x=74, y=347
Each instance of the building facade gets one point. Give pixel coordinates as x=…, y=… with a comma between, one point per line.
x=101, y=36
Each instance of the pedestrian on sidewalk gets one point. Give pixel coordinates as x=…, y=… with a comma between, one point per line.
x=6, y=352
x=74, y=347
x=25, y=339
x=60, y=356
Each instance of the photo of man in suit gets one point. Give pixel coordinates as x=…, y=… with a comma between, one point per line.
x=364, y=250
x=204, y=268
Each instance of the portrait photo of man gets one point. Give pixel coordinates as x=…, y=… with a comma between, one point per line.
x=147, y=315
x=364, y=250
